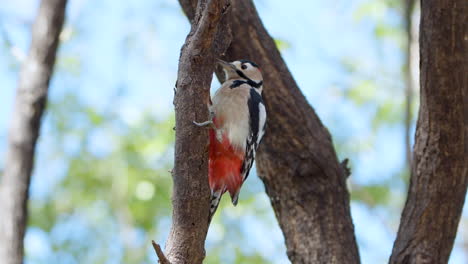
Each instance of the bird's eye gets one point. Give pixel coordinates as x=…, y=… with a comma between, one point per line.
x=244, y=66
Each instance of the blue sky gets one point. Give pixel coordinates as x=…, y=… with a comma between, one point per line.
x=109, y=46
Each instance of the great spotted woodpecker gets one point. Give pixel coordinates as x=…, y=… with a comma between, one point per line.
x=238, y=118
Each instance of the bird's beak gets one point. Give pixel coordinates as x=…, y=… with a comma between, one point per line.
x=226, y=65
x=229, y=69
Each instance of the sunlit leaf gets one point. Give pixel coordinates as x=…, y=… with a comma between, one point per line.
x=282, y=44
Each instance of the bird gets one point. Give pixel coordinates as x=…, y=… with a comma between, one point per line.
x=236, y=127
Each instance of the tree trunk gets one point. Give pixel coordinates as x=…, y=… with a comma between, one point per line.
x=191, y=191
x=440, y=163
x=296, y=160
x=25, y=123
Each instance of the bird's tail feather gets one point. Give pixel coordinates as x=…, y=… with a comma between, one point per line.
x=215, y=199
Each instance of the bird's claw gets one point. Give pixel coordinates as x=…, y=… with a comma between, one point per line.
x=208, y=123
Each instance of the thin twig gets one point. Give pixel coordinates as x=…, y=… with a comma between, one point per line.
x=160, y=253
x=345, y=167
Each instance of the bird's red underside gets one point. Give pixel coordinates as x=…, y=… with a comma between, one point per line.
x=224, y=165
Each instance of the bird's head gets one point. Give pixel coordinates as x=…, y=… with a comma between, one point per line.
x=244, y=70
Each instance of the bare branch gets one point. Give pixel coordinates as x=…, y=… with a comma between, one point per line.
x=31, y=98
x=162, y=258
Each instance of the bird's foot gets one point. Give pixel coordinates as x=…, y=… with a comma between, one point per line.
x=208, y=123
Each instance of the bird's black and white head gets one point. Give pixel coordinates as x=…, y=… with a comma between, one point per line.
x=243, y=70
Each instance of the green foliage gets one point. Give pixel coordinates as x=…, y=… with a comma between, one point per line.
x=372, y=195
x=71, y=64
x=363, y=92
x=389, y=112
x=386, y=30
x=282, y=44
x=374, y=9
x=117, y=194
x=374, y=85
x=375, y=88
x=237, y=256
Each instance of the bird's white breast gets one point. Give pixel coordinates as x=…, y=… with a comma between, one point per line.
x=231, y=110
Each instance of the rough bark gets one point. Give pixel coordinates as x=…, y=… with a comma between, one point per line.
x=31, y=98
x=191, y=191
x=296, y=160
x=440, y=161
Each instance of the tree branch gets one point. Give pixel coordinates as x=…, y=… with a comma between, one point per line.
x=160, y=253
x=439, y=176
x=191, y=191
x=31, y=98
x=296, y=160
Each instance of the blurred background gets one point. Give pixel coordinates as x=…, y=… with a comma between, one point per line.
x=101, y=187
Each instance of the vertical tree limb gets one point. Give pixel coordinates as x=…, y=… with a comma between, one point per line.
x=30, y=101
x=296, y=160
x=191, y=191
x=439, y=175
